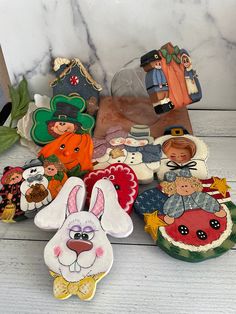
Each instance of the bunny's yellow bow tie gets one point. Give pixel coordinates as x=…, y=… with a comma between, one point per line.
x=84, y=289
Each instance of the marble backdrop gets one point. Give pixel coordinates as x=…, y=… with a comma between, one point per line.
x=107, y=34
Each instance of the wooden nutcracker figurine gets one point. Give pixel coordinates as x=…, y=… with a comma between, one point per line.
x=156, y=82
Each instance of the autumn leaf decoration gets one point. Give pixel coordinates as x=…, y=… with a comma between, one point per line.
x=20, y=101
x=171, y=56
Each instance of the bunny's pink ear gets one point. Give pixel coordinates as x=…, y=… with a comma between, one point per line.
x=104, y=203
x=72, y=204
x=98, y=206
x=69, y=200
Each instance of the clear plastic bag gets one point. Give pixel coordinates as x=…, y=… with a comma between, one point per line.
x=130, y=96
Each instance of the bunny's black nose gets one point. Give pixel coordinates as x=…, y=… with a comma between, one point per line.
x=79, y=246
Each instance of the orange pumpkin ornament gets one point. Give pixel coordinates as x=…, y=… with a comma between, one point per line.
x=73, y=150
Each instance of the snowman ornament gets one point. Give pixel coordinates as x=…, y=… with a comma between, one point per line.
x=34, y=190
x=139, y=153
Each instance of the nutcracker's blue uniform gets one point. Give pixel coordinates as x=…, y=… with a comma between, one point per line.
x=154, y=79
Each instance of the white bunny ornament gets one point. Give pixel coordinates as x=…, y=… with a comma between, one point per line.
x=80, y=254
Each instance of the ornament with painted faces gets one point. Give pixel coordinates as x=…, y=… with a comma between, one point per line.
x=55, y=172
x=138, y=152
x=73, y=150
x=58, y=128
x=191, y=77
x=156, y=82
x=34, y=190
x=114, y=139
x=80, y=254
x=10, y=208
x=182, y=150
x=192, y=219
x=66, y=115
x=185, y=193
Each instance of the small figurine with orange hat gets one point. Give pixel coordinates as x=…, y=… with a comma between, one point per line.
x=10, y=192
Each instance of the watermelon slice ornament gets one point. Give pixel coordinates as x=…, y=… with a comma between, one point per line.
x=197, y=220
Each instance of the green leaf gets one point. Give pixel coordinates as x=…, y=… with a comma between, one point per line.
x=177, y=60
x=15, y=99
x=8, y=137
x=20, y=100
x=176, y=49
x=168, y=58
x=24, y=94
x=76, y=172
x=164, y=52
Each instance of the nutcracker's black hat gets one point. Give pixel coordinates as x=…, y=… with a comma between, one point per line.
x=152, y=55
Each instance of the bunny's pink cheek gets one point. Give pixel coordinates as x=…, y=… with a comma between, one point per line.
x=99, y=251
x=57, y=251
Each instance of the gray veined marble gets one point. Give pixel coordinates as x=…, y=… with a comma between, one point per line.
x=106, y=35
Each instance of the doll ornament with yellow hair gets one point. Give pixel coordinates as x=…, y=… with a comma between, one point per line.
x=181, y=150
x=185, y=193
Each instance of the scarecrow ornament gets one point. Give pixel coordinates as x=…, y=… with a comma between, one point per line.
x=10, y=207
x=34, y=188
x=193, y=221
x=182, y=150
x=79, y=255
x=66, y=114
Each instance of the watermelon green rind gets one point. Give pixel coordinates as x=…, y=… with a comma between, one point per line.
x=194, y=257
x=232, y=237
x=232, y=208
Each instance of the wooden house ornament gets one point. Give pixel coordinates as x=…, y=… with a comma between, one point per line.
x=72, y=78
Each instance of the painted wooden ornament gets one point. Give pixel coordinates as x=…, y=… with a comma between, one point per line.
x=10, y=208
x=80, y=254
x=137, y=151
x=73, y=150
x=147, y=201
x=72, y=78
x=196, y=221
x=181, y=150
x=34, y=189
x=55, y=172
x=66, y=114
x=170, y=79
x=123, y=179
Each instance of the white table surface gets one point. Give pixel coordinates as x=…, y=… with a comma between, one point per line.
x=143, y=279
